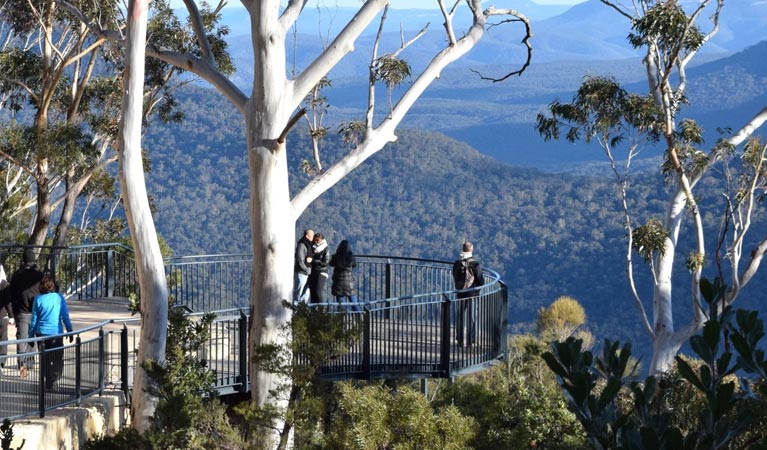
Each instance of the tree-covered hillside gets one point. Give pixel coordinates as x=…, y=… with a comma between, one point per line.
x=548, y=235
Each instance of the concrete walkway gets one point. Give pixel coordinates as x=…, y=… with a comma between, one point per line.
x=70, y=426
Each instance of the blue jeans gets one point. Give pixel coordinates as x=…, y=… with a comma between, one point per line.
x=350, y=299
x=301, y=291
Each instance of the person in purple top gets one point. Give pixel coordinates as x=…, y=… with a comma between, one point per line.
x=49, y=316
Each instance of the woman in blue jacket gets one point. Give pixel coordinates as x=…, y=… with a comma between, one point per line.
x=49, y=311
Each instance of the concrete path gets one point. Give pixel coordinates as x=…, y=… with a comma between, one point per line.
x=68, y=427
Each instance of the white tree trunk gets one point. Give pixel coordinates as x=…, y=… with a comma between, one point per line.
x=151, y=272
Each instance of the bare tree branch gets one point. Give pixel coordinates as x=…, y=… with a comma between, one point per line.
x=341, y=45
x=518, y=17
x=205, y=71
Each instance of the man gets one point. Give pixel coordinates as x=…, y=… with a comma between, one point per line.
x=467, y=274
x=6, y=315
x=303, y=266
x=25, y=285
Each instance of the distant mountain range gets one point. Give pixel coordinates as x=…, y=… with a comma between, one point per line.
x=726, y=88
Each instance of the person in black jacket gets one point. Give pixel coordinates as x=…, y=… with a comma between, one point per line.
x=319, y=275
x=25, y=285
x=302, y=267
x=6, y=315
x=467, y=275
x=343, y=262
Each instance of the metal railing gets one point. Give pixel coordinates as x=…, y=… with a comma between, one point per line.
x=411, y=324
x=83, y=272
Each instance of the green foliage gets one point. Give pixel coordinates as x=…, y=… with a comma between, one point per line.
x=721, y=413
x=375, y=417
x=666, y=25
x=188, y=414
x=6, y=436
x=649, y=239
x=517, y=404
x=564, y=315
x=601, y=109
x=318, y=336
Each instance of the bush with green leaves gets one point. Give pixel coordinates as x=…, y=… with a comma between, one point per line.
x=188, y=414
x=377, y=416
x=619, y=412
x=517, y=404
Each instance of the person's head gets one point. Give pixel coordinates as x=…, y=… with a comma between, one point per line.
x=344, y=247
x=309, y=234
x=318, y=237
x=29, y=258
x=468, y=247
x=47, y=284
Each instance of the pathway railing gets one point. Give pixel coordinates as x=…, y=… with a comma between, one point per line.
x=411, y=324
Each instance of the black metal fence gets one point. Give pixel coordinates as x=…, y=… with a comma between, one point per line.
x=411, y=324
x=83, y=272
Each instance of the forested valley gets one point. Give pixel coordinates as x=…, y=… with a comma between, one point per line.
x=548, y=235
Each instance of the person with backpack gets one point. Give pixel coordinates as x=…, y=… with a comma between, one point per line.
x=25, y=285
x=467, y=275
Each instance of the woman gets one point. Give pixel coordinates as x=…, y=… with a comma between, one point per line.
x=319, y=274
x=343, y=279
x=49, y=310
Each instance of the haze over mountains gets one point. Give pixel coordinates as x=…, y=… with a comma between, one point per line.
x=420, y=196
x=569, y=42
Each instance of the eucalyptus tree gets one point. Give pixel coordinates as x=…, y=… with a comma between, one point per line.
x=49, y=59
x=272, y=108
x=60, y=87
x=671, y=37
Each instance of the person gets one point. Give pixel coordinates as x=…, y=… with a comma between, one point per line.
x=49, y=311
x=302, y=267
x=319, y=274
x=343, y=262
x=25, y=284
x=467, y=274
x=6, y=315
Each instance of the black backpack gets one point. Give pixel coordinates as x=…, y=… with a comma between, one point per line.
x=463, y=274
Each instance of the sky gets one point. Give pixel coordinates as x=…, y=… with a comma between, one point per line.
x=428, y=4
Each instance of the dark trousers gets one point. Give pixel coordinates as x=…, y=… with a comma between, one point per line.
x=317, y=282
x=3, y=338
x=22, y=332
x=465, y=320
x=53, y=360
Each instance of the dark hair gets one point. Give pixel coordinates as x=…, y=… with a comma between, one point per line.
x=29, y=257
x=344, y=256
x=47, y=284
x=468, y=246
x=343, y=248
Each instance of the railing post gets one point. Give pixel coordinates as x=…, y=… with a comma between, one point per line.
x=110, y=275
x=388, y=289
x=124, y=359
x=243, y=353
x=41, y=377
x=445, y=341
x=78, y=368
x=102, y=360
x=366, y=336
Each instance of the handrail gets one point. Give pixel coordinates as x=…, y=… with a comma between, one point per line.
x=412, y=320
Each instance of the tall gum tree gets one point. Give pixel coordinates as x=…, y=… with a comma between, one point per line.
x=671, y=34
x=149, y=261
x=270, y=111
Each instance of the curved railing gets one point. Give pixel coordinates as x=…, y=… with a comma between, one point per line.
x=408, y=326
